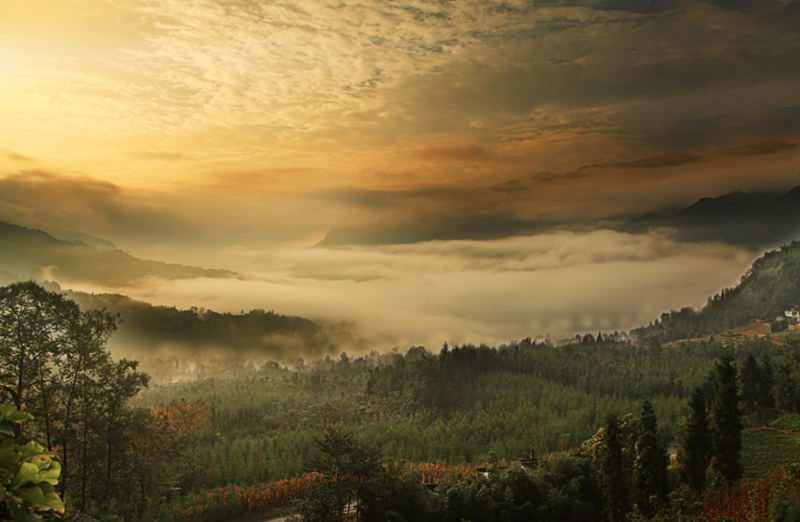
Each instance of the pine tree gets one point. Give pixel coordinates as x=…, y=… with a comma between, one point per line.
x=650, y=466
x=751, y=376
x=697, y=443
x=613, y=472
x=765, y=384
x=726, y=421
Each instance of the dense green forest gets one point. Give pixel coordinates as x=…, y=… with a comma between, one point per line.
x=607, y=427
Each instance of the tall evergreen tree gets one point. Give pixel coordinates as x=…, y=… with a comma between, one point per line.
x=697, y=443
x=615, y=486
x=764, y=395
x=726, y=421
x=650, y=466
x=751, y=375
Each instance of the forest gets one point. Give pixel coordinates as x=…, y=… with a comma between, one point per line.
x=658, y=424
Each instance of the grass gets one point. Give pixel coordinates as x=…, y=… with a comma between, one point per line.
x=766, y=449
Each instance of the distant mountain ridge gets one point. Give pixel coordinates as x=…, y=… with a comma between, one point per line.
x=766, y=290
x=33, y=254
x=755, y=219
x=74, y=236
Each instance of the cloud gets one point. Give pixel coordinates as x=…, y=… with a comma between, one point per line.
x=250, y=209
x=15, y=157
x=42, y=199
x=763, y=147
x=473, y=291
x=472, y=152
x=164, y=156
x=348, y=88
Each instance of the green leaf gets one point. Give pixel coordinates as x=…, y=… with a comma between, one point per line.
x=34, y=449
x=8, y=458
x=19, y=416
x=51, y=500
x=10, y=413
x=32, y=495
x=50, y=472
x=28, y=474
x=5, y=428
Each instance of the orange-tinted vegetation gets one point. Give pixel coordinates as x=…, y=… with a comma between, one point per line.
x=750, y=499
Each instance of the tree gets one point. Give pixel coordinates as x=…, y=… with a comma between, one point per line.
x=612, y=469
x=650, y=466
x=751, y=375
x=349, y=469
x=64, y=376
x=764, y=396
x=696, y=443
x=726, y=421
x=36, y=326
x=787, y=393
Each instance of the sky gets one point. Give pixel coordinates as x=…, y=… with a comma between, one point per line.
x=431, y=169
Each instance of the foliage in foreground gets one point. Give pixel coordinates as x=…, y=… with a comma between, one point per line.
x=28, y=474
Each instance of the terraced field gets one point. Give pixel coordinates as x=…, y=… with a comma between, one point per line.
x=768, y=448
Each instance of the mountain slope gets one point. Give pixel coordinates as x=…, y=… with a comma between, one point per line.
x=755, y=219
x=767, y=289
x=33, y=254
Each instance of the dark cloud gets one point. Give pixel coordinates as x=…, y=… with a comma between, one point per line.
x=640, y=6
x=478, y=225
x=763, y=147
x=671, y=159
x=13, y=156
x=512, y=185
x=675, y=75
x=42, y=199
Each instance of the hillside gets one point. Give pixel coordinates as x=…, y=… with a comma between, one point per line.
x=767, y=289
x=33, y=254
x=154, y=331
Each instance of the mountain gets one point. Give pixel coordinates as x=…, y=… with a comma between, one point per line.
x=145, y=329
x=755, y=219
x=767, y=289
x=34, y=254
x=73, y=236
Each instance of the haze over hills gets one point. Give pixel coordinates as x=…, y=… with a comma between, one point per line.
x=34, y=254
x=156, y=331
x=751, y=220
